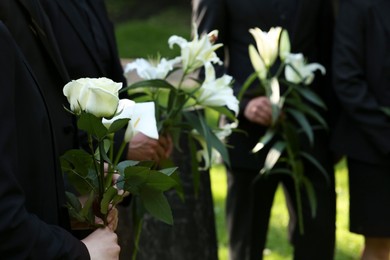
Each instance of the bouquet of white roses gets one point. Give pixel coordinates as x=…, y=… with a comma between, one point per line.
x=292, y=107
x=97, y=174
x=189, y=105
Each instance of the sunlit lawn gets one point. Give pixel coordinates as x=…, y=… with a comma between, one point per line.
x=348, y=245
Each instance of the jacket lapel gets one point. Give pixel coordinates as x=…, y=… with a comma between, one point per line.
x=72, y=14
x=43, y=30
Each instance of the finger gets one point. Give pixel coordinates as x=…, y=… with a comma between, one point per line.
x=160, y=151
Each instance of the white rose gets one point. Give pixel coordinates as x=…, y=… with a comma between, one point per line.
x=98, y=96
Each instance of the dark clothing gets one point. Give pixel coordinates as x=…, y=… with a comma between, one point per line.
x=369, y=198
x=310, y=27
x=33, y=34
x=78, y=43
x=361, y=70
x=86, y=40
x=72, y=24
x=362, y=80
x=31, y=194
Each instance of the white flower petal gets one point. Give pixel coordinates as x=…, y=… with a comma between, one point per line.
x=143, y=119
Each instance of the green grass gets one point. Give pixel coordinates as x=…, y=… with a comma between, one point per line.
x=348, y=245
x=148, y=38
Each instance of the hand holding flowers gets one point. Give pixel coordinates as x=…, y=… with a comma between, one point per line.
x=294, y=107
x=101, y=115
x=188, y=105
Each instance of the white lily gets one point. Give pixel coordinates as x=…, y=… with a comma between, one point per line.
x=257, y=62
x=152, y=70
x=217, y=92
x=197, y=52
x=141, y=115
x=284, y=45
x=301, y=71
x=267, y=44
x=203, y=154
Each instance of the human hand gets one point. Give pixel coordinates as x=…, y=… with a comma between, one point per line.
x=102, y=244
x=143, y=148
x=167, y=143
x=112, y=219
x=259, y=111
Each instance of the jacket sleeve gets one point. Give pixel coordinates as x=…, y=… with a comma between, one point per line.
x=350, y=73
x=22, y=234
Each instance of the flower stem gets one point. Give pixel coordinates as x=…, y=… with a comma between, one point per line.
x=101, y=178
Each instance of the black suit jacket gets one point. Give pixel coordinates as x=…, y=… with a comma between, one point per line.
x=31, y=194
x=362, y=79
x=32, y=32
x=310, y=27
x=76, y=43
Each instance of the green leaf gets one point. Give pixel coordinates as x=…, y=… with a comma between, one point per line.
x=124, y=164
x=74, y=206
x=386, y=110
x=225, y=111
x=311, y=96
x=73, y=201
x=212, y=141
x=246, y=85
x=168, y=171
x=273, y=156
x=281, y=171
x=118, y=124
x=309, y=111
x=108, y=196
x=104, y=146
x=156, y=204
x=159, y=181
x=134, y=178
x=92, y=125
x=86, y=211
x=315, y=162
x=303, y=122
x=76, y=166
x=77, y=161
x=154, y=83
x=311, y=195
x=264, y=140
x=291, y=137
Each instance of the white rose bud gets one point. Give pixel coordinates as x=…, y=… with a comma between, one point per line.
x=98, y=96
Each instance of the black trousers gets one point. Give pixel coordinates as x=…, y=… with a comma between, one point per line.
x=248, y=208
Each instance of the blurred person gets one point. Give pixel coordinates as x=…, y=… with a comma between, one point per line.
x=34, y=222
x=86, y=42
x=361, y=75
x=249, y=199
